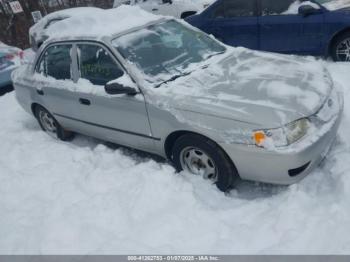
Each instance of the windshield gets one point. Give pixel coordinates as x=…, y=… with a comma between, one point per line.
x=166, y=48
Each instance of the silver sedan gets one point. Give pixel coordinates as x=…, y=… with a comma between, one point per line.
x=169, y=89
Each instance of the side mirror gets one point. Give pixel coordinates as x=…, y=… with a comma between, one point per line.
x=119, y=89
x=306, y=10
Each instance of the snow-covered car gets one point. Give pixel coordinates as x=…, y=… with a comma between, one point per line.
x=159, y=85
x=175, y=8
x=37, y=33
x=10, y=58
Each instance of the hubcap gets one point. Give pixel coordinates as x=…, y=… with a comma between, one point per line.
x=343, y=50
x=197, y=162
x=48, y=123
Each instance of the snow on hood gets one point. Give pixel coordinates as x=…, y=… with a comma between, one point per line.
x=260, y=88
x=102, y=23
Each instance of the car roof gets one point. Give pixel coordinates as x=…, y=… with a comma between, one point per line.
x=100, y=25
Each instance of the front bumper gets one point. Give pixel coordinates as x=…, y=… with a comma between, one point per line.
x=283, y=166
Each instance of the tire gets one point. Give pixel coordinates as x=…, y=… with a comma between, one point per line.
x=340, y=49
x=214, y=158
x=50, y=125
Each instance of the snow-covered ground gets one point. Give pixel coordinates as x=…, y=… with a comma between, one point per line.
x=85, y=197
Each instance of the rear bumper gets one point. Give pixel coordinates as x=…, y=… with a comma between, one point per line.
x=284, y=166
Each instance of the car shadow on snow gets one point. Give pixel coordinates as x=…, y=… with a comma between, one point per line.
x=244, y=189
x=6, y=89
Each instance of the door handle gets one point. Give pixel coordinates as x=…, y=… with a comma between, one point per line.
x=40, y=92
x=84, y=101
x=155, y=9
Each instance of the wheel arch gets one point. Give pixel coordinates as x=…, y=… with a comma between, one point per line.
x=172, y=137
x=34, y=106
x=333, y=39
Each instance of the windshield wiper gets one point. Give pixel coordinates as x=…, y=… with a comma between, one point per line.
x=215, y=54
x=173, y=78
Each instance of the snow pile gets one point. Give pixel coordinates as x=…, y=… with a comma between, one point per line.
x=86, y=198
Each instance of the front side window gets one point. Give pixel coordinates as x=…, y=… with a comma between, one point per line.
x=56, y=62
x=235, y=8
x=281, y=7
x=165, y=49
x=96, y=65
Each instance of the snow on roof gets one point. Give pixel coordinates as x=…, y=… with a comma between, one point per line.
x=100, y=24
x=62, y=14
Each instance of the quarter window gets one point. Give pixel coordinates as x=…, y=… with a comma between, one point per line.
x=96, y=65
x=56, y=62
x=236, y=8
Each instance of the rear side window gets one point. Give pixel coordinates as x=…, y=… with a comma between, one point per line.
x=96, y=65
x=280, y=7
x=235, y=8
x=56, y=62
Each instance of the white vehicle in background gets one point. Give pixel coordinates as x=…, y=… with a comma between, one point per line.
x=175, y=8
x=37, y=33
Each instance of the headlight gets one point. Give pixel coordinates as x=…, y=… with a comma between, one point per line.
x=283, y=136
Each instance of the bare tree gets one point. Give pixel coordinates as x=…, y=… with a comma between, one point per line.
x=14, y=27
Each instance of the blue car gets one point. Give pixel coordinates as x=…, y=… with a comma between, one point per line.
x=314, y=27
x=10, y=59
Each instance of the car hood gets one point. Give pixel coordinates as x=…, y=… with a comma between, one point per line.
x=264, y=89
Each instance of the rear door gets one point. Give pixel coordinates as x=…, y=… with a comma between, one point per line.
x=283, y=30
x=55, y=86
x=235, y=23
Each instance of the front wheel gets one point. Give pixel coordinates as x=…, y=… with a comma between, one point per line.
x=202, y=157
x=340, y=49
x=50, y=125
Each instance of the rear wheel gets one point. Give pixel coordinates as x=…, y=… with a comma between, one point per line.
x=50, y=125
x=340, y=50
x=202, y=157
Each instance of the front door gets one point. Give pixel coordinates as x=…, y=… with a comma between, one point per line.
x=121, y=119
x=283, y=30
x=55, y=83
x=235, y=23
